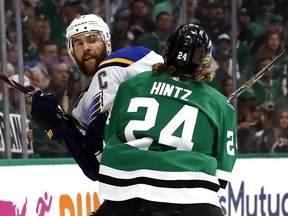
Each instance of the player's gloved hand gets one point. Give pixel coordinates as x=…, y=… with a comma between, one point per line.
x=43, y=110
x=44, y=113
x=93, y=139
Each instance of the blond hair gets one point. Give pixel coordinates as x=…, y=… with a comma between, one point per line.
x=202, y=72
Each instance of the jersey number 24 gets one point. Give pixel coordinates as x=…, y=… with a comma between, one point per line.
x=166, y=136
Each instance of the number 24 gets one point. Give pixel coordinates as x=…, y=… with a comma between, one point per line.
x=181, y=143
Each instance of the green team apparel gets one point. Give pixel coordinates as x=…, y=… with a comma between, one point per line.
x=167, y=141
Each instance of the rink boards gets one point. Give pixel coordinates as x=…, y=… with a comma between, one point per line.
x=259, y=186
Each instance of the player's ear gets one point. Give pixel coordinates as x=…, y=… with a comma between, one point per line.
x=108, y=48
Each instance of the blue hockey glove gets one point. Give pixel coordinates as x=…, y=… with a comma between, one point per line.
x=44, y=113
x=93, y=139
x=43, y=110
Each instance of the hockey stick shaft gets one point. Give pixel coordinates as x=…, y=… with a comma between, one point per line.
x=30, y=94
x=257, y=76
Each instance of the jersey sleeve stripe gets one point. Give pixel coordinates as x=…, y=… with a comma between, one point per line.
x=95, y=107
x=115, y=62
x=224, y=177
x=93, y=115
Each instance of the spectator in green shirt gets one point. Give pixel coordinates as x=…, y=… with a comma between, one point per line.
x=156, y=40
x=266, y=88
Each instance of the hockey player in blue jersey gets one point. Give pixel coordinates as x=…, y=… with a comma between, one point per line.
x=88, y=42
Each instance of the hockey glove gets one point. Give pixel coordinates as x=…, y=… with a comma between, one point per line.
x=93, y=139
x=44, y=113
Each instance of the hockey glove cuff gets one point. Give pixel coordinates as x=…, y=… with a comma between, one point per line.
x=93, y=139
x=44, y=113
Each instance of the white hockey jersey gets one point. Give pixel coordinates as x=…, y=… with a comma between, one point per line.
x=115, y=68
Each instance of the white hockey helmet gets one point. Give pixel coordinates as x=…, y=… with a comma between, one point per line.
x=87, y=23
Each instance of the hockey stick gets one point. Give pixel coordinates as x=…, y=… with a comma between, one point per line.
x=257, y=76
x=30, y=94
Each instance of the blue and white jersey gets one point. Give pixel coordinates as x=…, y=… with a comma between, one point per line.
x=115, y=68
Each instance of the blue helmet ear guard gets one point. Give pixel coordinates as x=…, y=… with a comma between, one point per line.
x=186, y=46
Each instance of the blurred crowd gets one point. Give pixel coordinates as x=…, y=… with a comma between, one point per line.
x=262, y=111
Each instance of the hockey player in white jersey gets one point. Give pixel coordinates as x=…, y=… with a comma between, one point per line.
x=88, y=42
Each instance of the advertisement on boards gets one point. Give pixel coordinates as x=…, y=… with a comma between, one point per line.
x=46, y=190
x=258, y=188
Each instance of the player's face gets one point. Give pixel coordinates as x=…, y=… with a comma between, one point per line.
x=89, y=50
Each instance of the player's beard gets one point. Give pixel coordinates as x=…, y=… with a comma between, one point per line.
x=89, y=66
